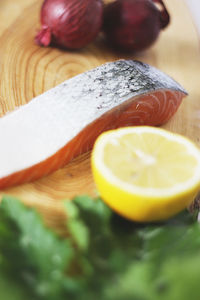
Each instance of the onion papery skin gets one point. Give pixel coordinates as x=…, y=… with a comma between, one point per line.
x=70, y=24
x=131, y=25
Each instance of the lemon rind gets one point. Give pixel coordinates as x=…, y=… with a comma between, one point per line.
x=147, y=192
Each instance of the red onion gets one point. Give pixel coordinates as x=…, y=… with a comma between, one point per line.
x=70, y=23
x=132, y=25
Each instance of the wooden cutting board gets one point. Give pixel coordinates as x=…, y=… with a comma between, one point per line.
x=28, y=70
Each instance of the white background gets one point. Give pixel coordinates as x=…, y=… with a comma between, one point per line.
x=194, y=6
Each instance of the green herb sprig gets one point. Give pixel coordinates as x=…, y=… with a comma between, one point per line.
x=105, y=257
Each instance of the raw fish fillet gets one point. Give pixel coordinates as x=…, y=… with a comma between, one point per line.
x=48, y=132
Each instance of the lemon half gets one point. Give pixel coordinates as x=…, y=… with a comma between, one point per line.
x=146, y=173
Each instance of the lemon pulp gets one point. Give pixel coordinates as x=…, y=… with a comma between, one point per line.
x=146, y=173
x=148, y=161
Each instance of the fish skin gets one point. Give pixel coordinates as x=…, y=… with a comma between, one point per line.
x=53, y=128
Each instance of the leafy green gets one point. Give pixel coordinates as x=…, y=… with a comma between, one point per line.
x=104, y=256
x=36, y=255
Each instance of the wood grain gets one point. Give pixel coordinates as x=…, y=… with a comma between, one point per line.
x=27, y=70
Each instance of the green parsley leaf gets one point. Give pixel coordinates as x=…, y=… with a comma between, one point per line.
x=105, y=257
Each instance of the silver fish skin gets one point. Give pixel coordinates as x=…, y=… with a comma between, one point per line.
x=40, y=128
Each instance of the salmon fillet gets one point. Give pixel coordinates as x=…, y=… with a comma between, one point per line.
x=64, y=122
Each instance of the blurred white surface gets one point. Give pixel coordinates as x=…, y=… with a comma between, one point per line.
x=194, y=6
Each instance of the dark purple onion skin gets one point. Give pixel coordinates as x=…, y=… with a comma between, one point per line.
x=131, y=25
x=164, y=15
x=70, y=24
